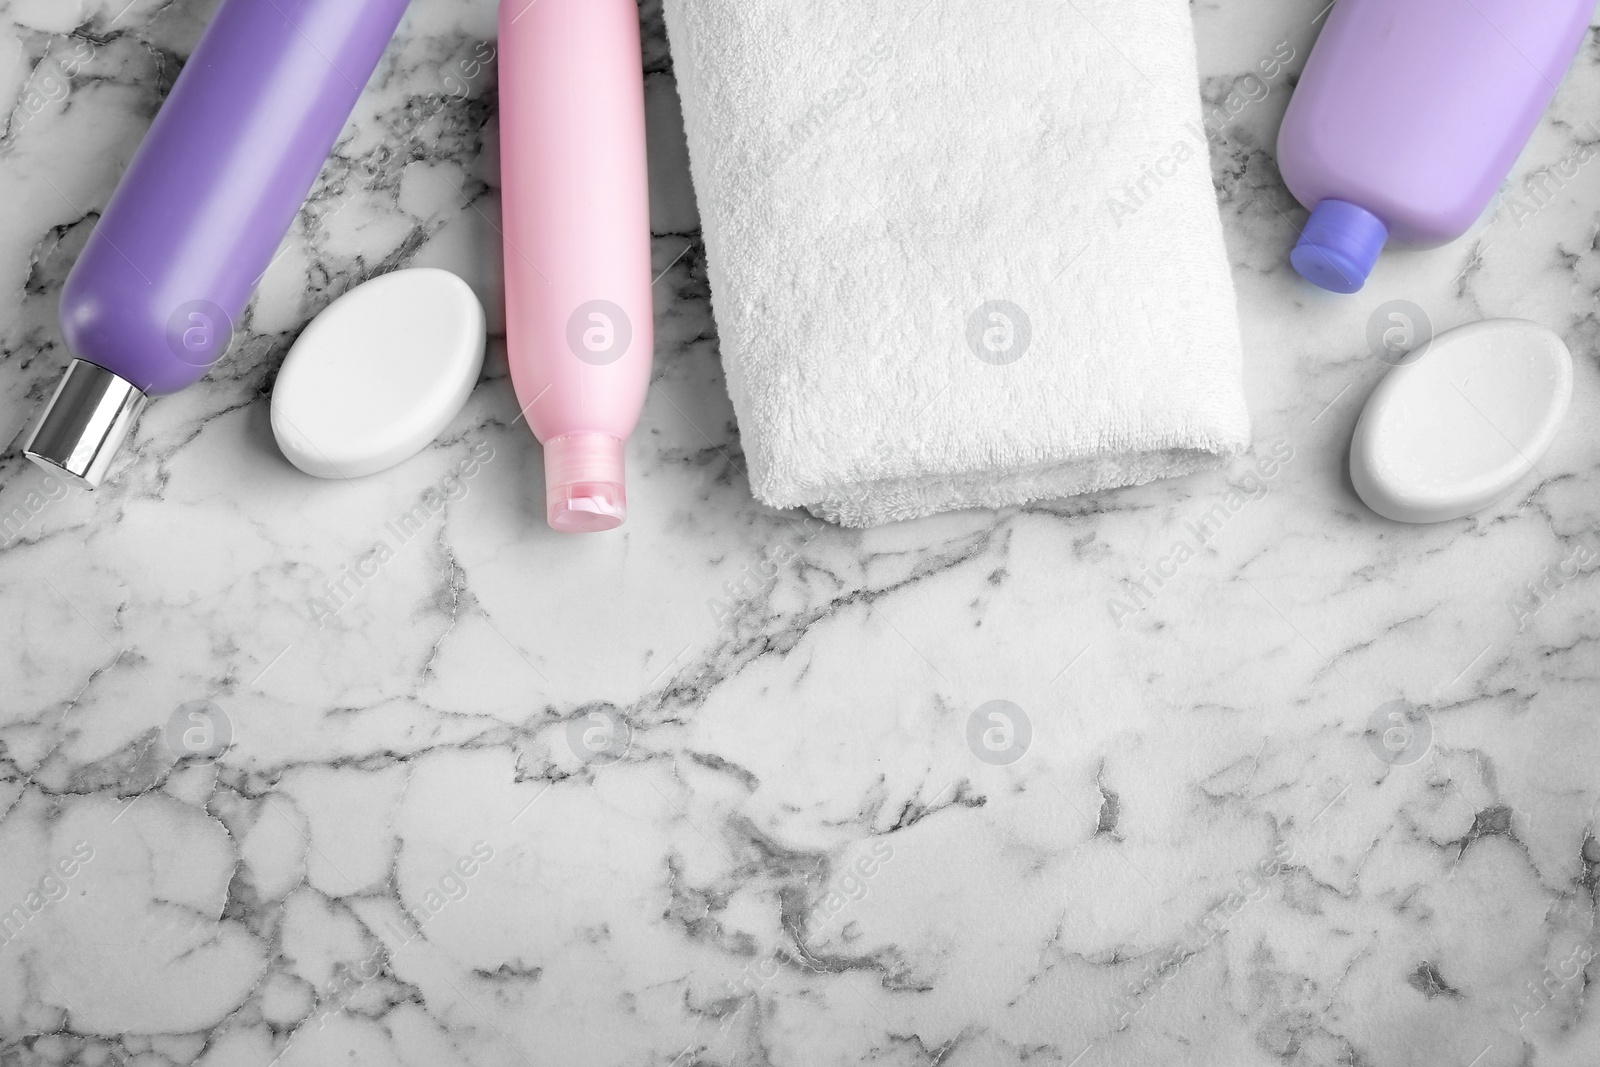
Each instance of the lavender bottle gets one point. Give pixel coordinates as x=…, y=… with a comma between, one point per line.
x=153, y=300
x=1409, y=115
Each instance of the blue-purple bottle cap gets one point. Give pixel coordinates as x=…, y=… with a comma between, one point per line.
x=1340, y=244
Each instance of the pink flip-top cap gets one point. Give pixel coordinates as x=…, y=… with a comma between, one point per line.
x=583, y=477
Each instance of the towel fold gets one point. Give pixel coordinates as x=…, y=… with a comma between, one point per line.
x=961, y=253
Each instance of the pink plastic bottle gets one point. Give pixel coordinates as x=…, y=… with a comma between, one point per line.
x=579, y=325
x=1409, y=115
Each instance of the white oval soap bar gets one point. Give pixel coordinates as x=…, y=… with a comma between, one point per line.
x=1458, y=428
x=379, y=373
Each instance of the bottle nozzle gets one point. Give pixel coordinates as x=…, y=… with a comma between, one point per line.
x=85, y=423
x=584, y=488
x=1340, y=244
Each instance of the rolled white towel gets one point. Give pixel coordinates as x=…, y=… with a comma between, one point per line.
x=961, y=253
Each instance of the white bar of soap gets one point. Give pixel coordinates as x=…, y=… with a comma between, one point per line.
x=379, y=374
x=1458, y=428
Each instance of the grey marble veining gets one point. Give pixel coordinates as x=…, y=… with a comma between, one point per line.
x=736, y=787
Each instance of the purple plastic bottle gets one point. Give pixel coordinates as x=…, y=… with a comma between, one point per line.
x=1408, y=117
x=195, y=221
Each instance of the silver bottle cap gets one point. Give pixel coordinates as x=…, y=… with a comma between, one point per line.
x=85, y=423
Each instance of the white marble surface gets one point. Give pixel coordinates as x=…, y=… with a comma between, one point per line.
x=790, y=855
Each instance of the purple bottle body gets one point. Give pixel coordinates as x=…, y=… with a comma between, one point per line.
x=217, y=183
x=1409, y=115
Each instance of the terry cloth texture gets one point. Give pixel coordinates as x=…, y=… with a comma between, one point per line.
x=961, y=254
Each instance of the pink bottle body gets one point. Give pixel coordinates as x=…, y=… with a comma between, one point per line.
x=1409, y=115
x=575, y=183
